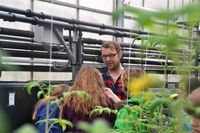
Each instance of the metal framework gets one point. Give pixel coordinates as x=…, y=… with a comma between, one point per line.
x=73, y=50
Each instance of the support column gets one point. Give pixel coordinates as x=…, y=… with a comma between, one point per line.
x=0, y=63
x=120, y=20
x=31, y=28
x=74, y=53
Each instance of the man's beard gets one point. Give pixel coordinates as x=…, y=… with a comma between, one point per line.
x=113, y=66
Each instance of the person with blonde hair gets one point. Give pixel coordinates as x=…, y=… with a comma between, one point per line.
x=76, y=108
x=136, y=83
x=128, y=76
x=40, y=111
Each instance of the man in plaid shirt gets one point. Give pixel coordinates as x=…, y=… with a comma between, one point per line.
x=111, y=54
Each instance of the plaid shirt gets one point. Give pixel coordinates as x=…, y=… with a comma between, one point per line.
x=115, y=87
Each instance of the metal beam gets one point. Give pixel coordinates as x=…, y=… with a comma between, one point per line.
x=68, y=69
x=15, y=32
x=0, y=63
x=105, y=12
x=41, y=15
x=6, y=37
x=93, y=58
x=60, y=37
x=87, y=49
x=36, y=21
x=22, y=84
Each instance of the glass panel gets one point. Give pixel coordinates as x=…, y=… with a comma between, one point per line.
x=105, y=5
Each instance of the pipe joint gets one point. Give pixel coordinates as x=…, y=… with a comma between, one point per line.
x=34, y=21
x=42, y=15
x=29, y=13
x=102, y=26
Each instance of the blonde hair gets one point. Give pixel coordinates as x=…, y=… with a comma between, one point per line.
x=136, y=82
x=56, y=92
x=59, y=89
x=130, y=74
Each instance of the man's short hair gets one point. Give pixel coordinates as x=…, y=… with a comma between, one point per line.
x=111, y=45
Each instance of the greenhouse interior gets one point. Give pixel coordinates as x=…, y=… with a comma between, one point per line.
x=99, y=66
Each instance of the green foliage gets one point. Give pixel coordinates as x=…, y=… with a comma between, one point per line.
x=147, y=19
x=80, y=94
x=159, y=103
x=63, y=123
x=4, y=127
x=67, y=94
x=166, y=39
x=100, y=110
x=180, y=51
x=44, y=90
x=192, y=109
x=30, y=86
x=99, y=126
x=27, y=128
x=5, y=66
x=40, y=93
x=83, y=94
x=143, y=16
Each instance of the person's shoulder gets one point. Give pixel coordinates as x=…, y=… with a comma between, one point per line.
x=52, y=105
x=104, y=72
x=42, y=105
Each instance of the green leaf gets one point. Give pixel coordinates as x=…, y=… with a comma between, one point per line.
x=144, y=18
x=100, y=110
x=81, y=94
x=98, y=126
x=40, y=93
x=31, y=85
x=27, y=128
x=43, y=86
x=159, y=102
x=85, y=126
x=54, y=102
x=66, y=94
x=65, y=123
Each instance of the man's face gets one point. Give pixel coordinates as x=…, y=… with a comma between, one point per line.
x=111, y=58
x=195, y=124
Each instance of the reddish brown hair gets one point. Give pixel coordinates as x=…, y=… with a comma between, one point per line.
x=89, y=80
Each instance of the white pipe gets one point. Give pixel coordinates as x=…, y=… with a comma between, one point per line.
x=36, y=61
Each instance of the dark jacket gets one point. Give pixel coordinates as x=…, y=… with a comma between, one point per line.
x=115, y=87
